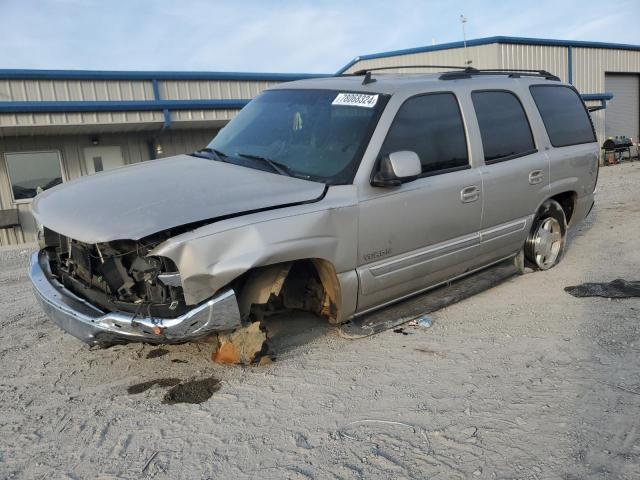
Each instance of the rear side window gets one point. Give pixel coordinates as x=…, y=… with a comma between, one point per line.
x=431, y=126
x=504, y=127
x=564, y=115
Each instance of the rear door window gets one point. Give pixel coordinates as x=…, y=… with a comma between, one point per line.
x=504, y=127
x=431, y=126
x=564, y=115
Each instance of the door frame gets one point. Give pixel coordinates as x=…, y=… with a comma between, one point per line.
x=432, y=252
x=83, y=161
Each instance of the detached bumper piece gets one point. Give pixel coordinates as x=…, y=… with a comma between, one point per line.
x=96, y=327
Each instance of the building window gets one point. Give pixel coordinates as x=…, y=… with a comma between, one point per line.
x=431, y=126
x=565, y=118
x=504, y=127
x=32, y=172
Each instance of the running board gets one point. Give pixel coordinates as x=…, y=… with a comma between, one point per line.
x=429, y=301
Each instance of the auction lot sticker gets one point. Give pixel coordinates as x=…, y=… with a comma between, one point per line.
x=356, y=100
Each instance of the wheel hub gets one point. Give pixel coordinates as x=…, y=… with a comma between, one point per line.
x=547, y=242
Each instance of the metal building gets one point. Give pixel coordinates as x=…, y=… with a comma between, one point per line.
x=58, y=125
x=602, y=72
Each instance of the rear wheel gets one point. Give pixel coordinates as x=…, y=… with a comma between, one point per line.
x=545, y=243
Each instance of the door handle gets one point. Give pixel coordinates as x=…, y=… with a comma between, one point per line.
x=535, y=176
x=469, y=194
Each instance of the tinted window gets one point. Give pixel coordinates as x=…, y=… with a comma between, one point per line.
x=504, y=127
x=565, y=118
x=431, y=126
x=33, y=172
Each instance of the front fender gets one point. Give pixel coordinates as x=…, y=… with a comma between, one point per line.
x=210, y=257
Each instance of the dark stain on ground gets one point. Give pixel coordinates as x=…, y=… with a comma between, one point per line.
x=400, y=330
x=157, y=352
x=144, y=386
x=177, y=360
x=193, y=391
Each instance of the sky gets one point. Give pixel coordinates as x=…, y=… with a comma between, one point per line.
x=277, y=35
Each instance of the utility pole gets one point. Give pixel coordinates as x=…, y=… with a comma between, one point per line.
x=463, y=20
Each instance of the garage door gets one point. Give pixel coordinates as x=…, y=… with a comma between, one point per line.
x=622, y=116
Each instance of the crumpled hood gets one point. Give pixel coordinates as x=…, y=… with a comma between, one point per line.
x=139, y=200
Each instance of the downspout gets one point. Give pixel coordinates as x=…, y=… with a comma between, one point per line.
x=570, y=64
x=151, y=144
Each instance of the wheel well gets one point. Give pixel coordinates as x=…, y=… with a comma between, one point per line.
x=567, y=201
x=306, y=284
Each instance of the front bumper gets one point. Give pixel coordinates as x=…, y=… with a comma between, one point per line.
x=96, y=327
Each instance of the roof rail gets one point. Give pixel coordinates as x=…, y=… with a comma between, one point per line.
x=511, y=72
x=364, y=71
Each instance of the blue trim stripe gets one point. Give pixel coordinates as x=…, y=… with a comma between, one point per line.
x=19, y=74
x=120, y=106
x=491, y=40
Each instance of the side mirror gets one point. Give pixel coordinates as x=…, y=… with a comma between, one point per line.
x=397, y=168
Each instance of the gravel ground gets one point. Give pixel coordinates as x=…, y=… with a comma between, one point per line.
x=521, y=381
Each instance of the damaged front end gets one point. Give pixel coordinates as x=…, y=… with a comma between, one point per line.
x=118, y=275
x=114, y=292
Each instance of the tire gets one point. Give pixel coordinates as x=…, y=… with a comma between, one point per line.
x=545, y=244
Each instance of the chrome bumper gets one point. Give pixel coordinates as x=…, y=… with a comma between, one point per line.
x=95, y=327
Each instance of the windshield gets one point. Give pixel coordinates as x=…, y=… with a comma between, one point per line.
x=314, y=134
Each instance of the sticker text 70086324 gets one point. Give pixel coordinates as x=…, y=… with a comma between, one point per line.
x=356, y=100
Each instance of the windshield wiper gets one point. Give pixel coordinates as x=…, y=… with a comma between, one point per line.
x=277, y=167
x=212, y=154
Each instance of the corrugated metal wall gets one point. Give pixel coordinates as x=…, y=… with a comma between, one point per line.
x=484, y=56
x=218, y=89
x=75, y=90
x=134, y=148
x=209, y=89
x=535, y=57
x=589, y=64
x=589, y=68
x=121, y=90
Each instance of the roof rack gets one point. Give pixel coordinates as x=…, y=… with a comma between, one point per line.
x=511, y=72
x=364, y=71
x=459, y=72
x=464, y=72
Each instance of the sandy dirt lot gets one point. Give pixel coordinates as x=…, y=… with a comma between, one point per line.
x=521, y=381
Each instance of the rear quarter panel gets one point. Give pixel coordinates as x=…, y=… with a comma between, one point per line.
x=575, y=169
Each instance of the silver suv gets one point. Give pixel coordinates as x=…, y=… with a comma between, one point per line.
x=336, y=195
